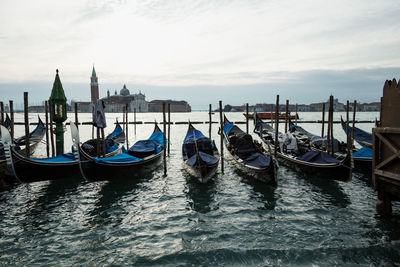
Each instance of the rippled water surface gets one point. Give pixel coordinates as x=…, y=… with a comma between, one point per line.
x=174, y=220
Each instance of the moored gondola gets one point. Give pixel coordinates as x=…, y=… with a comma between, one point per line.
x=200, y=155
x=248, y=155
x=30, y=170
x=360, y=136
x=303, y=158
x=142, y=156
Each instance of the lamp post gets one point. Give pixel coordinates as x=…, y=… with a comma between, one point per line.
x=58, y=109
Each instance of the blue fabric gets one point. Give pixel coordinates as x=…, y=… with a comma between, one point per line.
x=22, y=139
x=322, y=142
x=359, y=134
x=109, y=148
x=147, y=146
x=207, y=159
x=227, y=127
x=258, y=160
x=318, y=157
x=159, y=137
x=121, y=157
x=66, y=157
x=117, y=131
x=191, y=133
x=364, y=152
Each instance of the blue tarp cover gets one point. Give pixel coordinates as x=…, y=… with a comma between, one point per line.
x=318, y=157
x=121, y=157
x=154, y=143
x=364, y=152
x=258, y=160
x=110, y=149
x=118, y=130
x=191, y=134
x=66, y=157
x=359, y=134
x=208, y=159
x=227, y=127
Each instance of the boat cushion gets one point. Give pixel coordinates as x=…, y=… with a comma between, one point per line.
x=66, y=157
x=204, y=144
x=318, y=157
x=121, y=157
x=258, y=160
x=208, y=159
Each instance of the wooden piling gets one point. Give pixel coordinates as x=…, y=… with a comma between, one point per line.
x=331, y=126
x=222, y=136
x=12, y=118
x=134, y=121
x=295, y=119
x=164, y=141
x=103, y=143
x=98, y=146
x=169, y=124
x=210, y=120
x=354, y=120
x=347, y=123
x=286, y=115
x=26, y=120
x=2, y=113
x=272, y=111
x=76, y=115
x=127, y=126
x=53, y=151
x=247, y=118
x=276, y=125
x=92, y=123
x=323, y=119
x=46, y=110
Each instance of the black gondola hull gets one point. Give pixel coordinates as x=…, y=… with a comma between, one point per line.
x=203, y=173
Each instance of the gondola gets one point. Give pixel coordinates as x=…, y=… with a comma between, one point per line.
x=28, y=170
x=249, y=156
x=200, y=155
x=360, y=136
x=142, y=156
x=303, y=158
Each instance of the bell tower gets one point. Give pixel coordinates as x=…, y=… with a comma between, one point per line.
x=94, y=86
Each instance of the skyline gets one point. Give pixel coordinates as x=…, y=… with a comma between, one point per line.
x=236, y=51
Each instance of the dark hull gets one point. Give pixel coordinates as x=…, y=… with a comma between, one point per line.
x=29, y=171
x=98, y=171
x=330, y=171
x=203, y=173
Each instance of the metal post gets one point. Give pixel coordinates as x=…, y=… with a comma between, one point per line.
x=286, y=115
x=46, y=110
x=26, y=119
x=210, y=120
x=164, y=141
x=169, y=124
x=51, y=130
x=222, y=136
x=276, y=125
x=247, y=118
x=12, y=118
x=323, y=119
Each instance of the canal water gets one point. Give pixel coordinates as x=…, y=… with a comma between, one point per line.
x=175, y=221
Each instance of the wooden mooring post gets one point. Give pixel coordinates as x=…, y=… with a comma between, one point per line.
x=2, y=113
x=276, y=125
x=386, y=149
x=53, y=150
x=247, y=118
x=210, y=120
x=12, y=118
x=26, y=120
x=295, y=120
x=134, y=121
x=127, y=126
x=169, y=125
x=286, y=115
x=331, y=128
x=323, y=120
x=222, y=136
x=164, y=141
x=46, y=110
x=76, y=115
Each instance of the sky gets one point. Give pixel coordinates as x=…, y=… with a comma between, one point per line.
x=201, y=51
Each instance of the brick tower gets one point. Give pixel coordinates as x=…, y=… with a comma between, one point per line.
x=94, y=86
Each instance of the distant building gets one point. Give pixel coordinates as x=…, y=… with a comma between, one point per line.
x=82, y=106
x=175, y=106
x=94, y=87
x=116, y=102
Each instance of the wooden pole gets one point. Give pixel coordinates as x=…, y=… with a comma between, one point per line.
x=103, y=143
x=209, y=119
x=331, y=128
x=98, y=147
x=169, y=125
x=76, y=114
x=296, y=115
x=53, y=151
x=347, y=124
x=247, y=118
x=222, y=136
x=12, y=118
x=134, y=120
x=286, y=115
x=272, y=111
x=276, y=125
x=92, y=123
x=323, y=119
x=354, y=121
x=164, y=141
x=46, y=110
x=2, y=113
x=26, y=118
x=328, y=133
x=127, y=126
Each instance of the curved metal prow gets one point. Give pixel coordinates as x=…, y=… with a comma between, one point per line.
x=6, y=141
x=76, y=144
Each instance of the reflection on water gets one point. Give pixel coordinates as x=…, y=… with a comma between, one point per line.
x=200, y=196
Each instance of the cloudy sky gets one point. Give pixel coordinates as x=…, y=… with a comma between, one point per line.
x=201, y=51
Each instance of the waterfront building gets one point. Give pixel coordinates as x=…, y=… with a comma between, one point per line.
x=116, y=102
x=175, y=106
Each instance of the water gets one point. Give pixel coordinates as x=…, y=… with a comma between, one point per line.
x=176, y=221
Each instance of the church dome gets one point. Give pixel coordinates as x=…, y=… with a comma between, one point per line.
x=124, y=91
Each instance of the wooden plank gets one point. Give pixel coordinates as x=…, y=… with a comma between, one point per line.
x=387, y=174
x=387, y=142
x=392, y=130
